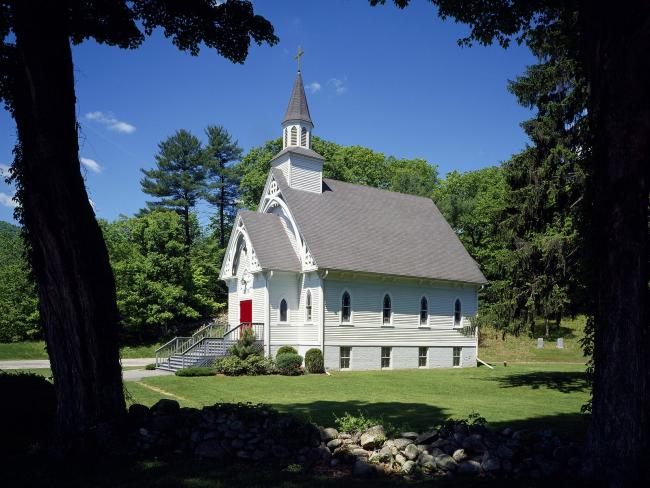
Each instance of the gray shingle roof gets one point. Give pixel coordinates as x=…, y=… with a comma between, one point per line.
x=299, y=150
x=298, y=108
x=270, y=241
x=358, y=228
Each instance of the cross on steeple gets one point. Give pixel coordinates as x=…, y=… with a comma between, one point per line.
x=297, y=57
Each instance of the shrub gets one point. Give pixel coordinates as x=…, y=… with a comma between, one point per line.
x=245, y=345
x=150, y=366
x=230, y=366
x=258, y=365
x=196, y=371
x=286, y=350
x=289, y=364
x=314, y=362
x=361, y=422
x=27, y=410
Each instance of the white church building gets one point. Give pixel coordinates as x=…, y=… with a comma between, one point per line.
x=375, y=279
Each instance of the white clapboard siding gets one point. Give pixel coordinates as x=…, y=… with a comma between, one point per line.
x=259, y=298
x=306, y=174
x=233, y=303
x=294, y=335
x=310, y=282
x=376, y=336
x=284, y=285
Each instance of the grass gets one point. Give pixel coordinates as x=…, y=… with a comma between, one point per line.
x=36, y=350
x=519, y=395
x=524, y=348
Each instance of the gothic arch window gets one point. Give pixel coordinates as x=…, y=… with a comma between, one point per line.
x=457, y=313
x=308, y=306
x=387, y=313
x=294, y=136
x=283, y=310
x=303, y=137
x=424, y=311
x=346, y=307
x=239, y=249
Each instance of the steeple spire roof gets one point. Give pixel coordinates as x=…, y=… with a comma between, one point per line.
x=298, y=108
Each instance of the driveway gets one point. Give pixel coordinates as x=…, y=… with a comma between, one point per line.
x=45, y=363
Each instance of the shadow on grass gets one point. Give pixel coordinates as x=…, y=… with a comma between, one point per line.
x=562, y=381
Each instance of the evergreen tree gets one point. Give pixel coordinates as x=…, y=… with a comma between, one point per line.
x=223, y=177
x=179, y=179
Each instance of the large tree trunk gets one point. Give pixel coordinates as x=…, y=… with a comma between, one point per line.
x=68, y=254
x=616, y=46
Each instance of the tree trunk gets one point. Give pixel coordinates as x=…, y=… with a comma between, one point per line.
x=616, y=44
x=222, y=210
x=70, y=261
x=186, y=228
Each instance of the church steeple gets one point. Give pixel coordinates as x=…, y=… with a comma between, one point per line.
x=297, y=123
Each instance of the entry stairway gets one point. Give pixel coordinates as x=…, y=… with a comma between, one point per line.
x=204, y=346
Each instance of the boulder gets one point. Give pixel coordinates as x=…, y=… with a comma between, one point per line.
x=469, y=467
x=401, y=443
x=407, y=435
x=474, y=443
x=504, y=452
x=409, y=467
x=459, y=455
x=411, y=452
x=427, y=461
x=328, y=434
x=334, y=443
x=400, y=459
x=446, y=463
x=363, y=469
x=373, y=437
x=384, y=454
x=507, y=432
x=426, y=437
x=210, y=449
x=165, y=406
x=490, y=465
x=358, y=452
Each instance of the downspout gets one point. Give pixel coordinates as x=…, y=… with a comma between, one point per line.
x=267, y=314
x=322, y=311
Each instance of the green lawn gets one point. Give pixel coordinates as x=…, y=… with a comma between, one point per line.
x=36, y=350
x=521, y=395
x=524, y=348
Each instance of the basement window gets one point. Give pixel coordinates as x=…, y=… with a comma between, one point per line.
x=456, y=356
x=385, y=357
x=422, y=357
x=345, y=353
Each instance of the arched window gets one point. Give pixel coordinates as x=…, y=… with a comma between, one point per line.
x=387, y=310
x=424, y=311
x=308, y=306
x=346, y=307
x=303, y=137
x=294, y=136
x=457, y=312
x=283, y=310
x=239, y=249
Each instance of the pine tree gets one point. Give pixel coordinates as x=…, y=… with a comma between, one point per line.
x=222, y=189
x=179, y=179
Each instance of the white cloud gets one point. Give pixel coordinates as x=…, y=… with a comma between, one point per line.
x=91, y=164
x=108, y=119
x=314, y=87
x=339, y=85
x=7, y=200
x=4, y=171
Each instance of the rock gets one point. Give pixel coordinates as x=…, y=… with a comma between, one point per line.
x=469, y=467
x=458, y=437
x=490, y=465
x=459, y=455
x=400, y=459
x=164, y=422
x=210, y=449
x=507, y=432
x=409, y=467
x=165, y=406
x=358, y=452
x=384, y=454
x=426, y=437
x=434, y=451
x=335, y=462
x=280, y=451
x=504, y=452
x=402, y=443
x=356, y=438
x=474, y=444
x=363, y=468
x=334, y=443
x=446, y=463
x=329, y=434
x=237, y=443
x=344, y=435
x=407, y=435
x=427, y=461
x=411, y=452
x=373, y=437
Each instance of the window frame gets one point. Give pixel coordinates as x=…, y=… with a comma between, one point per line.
x=348, y=357
x=424, y=356
x=458, y=357
x=426, y=322
x=383, y=309
x=286, y=318
x=458, y=301
x=387, y=357
x=308, y=307
x=350, y=315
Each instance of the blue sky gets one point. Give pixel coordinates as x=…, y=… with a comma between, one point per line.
x=395, y=81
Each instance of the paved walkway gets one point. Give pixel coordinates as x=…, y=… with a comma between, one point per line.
x=45, y=363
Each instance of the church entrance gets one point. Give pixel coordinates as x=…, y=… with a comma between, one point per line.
x=245, y=311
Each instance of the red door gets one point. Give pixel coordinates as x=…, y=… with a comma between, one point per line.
x=245, y=311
